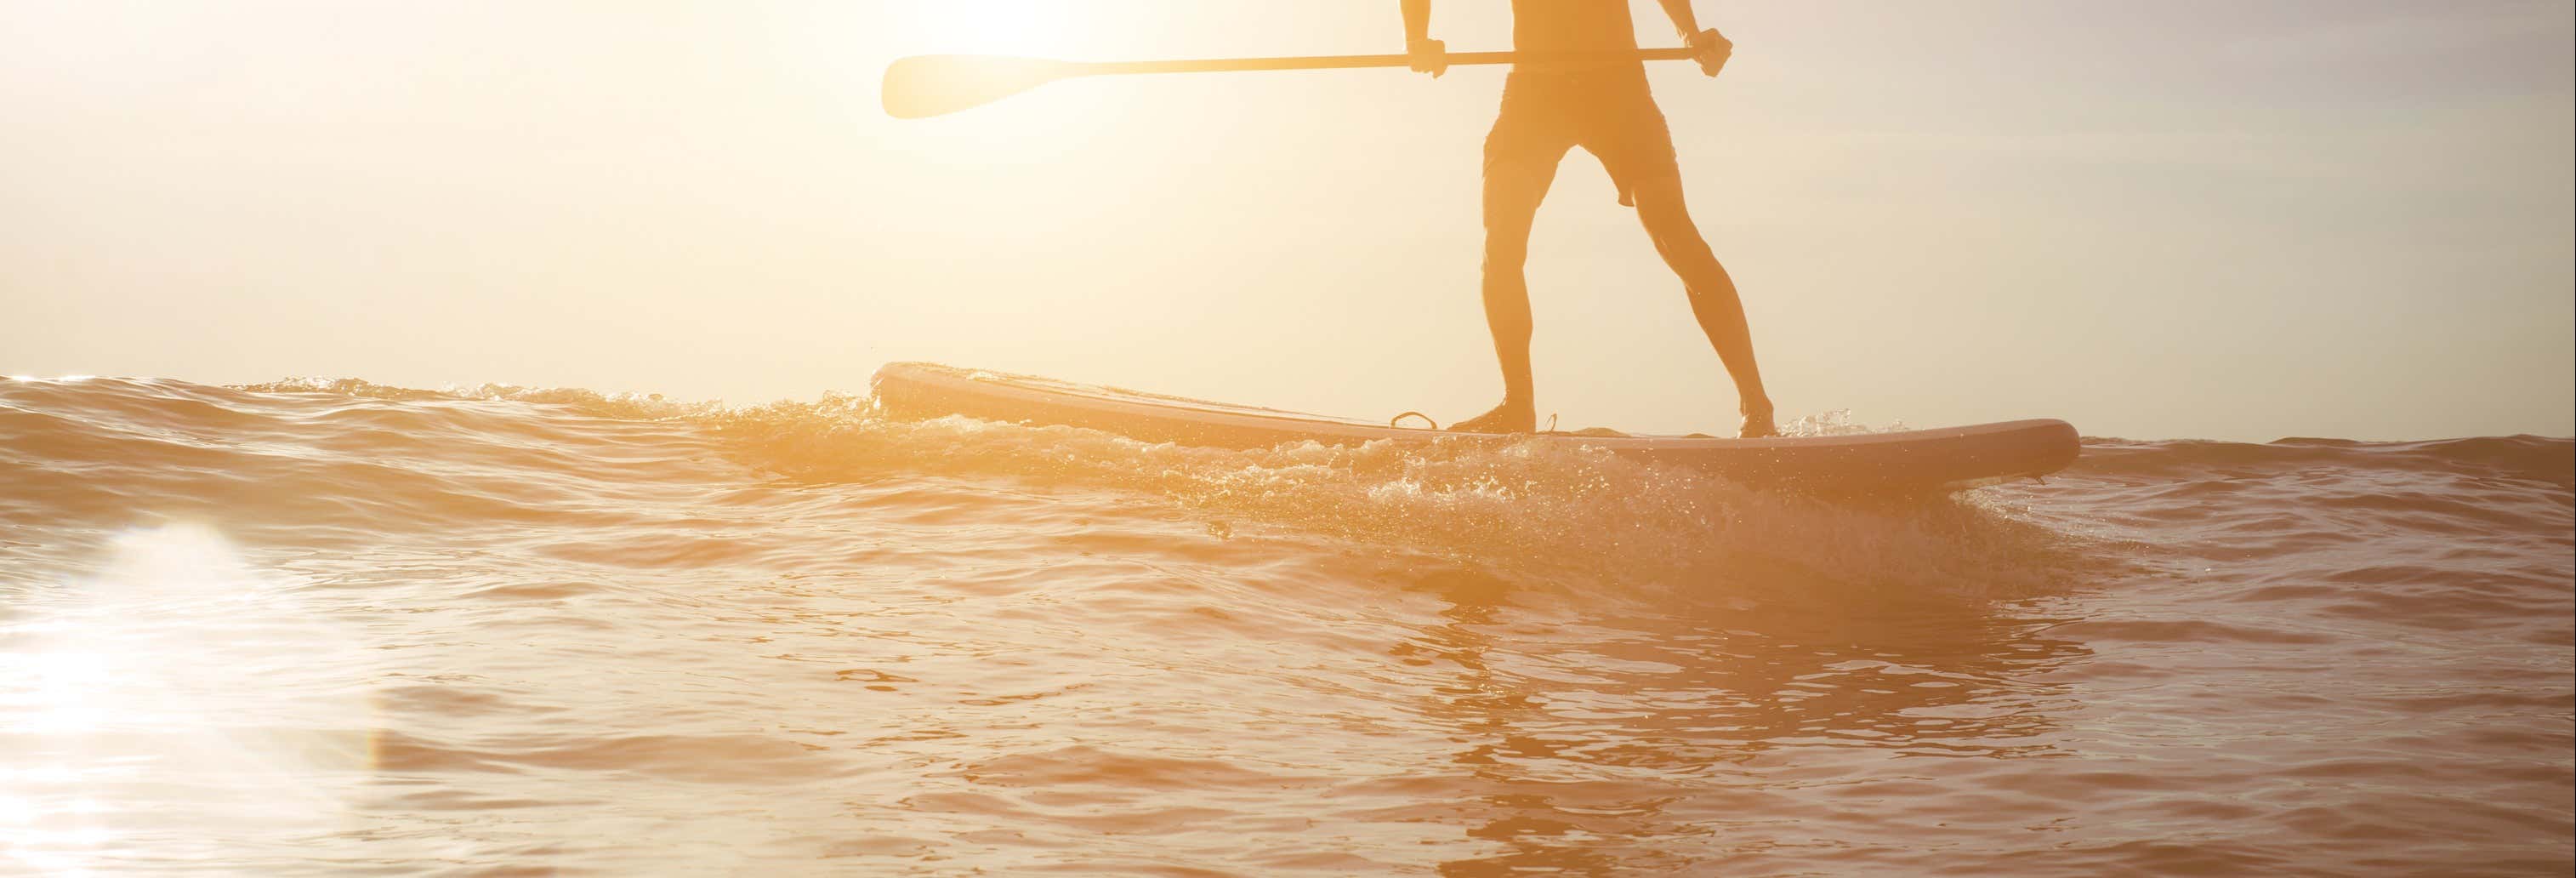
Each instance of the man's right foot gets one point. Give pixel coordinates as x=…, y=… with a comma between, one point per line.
x=1758, y=425
x=1506, y=418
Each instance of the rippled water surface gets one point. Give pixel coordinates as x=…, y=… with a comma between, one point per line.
x=331, y=627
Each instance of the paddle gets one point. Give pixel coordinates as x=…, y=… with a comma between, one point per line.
x=930, y=85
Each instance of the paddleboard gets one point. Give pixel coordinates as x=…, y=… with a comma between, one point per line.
x=1946, y=459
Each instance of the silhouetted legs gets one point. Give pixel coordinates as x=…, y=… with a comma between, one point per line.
x=1512, y=195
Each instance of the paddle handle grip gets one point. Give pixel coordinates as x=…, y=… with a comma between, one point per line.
x=1337, y=62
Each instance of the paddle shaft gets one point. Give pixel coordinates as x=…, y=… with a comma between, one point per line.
x=931, y=85
x=1338, y=62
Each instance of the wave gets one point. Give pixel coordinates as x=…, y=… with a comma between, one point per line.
x=345, y=455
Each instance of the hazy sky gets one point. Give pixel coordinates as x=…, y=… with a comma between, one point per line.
x=2169, y=219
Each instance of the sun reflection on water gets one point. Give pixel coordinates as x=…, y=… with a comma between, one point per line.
x=176, y=697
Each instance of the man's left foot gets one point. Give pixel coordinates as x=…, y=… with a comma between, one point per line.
x=1510, y=417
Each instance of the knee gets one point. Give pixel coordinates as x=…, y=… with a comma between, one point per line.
x=1676, y=237
x=1506, y=251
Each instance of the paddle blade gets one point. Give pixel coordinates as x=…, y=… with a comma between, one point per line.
x=931, y=85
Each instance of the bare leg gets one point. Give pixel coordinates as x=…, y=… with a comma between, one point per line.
x=1712, y=295
x=1512, y=196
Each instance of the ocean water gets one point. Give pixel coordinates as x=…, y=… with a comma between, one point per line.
x=336, y=628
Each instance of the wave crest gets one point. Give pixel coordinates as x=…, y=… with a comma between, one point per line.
x=1531, y=512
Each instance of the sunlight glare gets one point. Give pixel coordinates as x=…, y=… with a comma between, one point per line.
x=179, y=691
x=995, y=27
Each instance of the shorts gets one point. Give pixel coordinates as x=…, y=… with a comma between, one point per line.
x=1610, y=113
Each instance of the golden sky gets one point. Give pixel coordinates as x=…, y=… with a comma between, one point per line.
x=2157, y=220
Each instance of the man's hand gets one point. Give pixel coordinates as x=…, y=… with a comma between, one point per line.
x=1428, y=56
x=1709, y=48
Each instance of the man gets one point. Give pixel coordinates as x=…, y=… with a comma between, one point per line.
x=1600, y=102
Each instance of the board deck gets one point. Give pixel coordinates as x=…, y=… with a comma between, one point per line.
x=1944, y=459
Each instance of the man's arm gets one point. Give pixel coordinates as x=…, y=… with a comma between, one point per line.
x=1683, y=19
x=1713, y=47
x=1429, y=55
